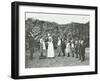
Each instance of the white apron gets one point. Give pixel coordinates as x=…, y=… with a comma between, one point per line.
x=50, y=51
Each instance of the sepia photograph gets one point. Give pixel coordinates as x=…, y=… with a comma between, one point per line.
x=56, y=39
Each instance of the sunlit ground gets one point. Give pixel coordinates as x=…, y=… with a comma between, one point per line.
x=36, y=62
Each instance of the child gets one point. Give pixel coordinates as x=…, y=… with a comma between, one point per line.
x=42, y=48
x=68, y=50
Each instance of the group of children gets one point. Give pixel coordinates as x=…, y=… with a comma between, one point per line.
x=65, y=47
x=72, y=48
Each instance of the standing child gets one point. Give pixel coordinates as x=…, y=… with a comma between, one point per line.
x=42, y=48
x=59, y=46
x=72, y=48
x=68, y=50
x=63, y=46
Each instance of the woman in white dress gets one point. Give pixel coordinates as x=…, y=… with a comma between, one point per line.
x=50, y=51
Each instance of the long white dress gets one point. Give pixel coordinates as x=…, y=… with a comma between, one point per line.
x=50, y=51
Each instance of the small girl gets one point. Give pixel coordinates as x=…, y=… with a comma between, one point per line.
x=42, y=48
x=68, y=50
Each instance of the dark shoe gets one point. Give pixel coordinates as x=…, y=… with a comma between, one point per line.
x=42, y=57
x=64, y=55
x=68, y=55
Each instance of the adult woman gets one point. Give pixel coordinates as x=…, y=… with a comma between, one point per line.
x=50, y=51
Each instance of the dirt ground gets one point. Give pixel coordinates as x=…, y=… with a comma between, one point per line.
x=36, y=62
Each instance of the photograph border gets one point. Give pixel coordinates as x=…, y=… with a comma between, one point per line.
x=15, y=39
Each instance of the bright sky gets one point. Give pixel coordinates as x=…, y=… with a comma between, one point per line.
x=59, y=18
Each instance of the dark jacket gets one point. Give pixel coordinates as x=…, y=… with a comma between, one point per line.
x=82, y=49
x=63, y=45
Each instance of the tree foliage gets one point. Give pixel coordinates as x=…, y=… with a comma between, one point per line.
x=36, y=29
